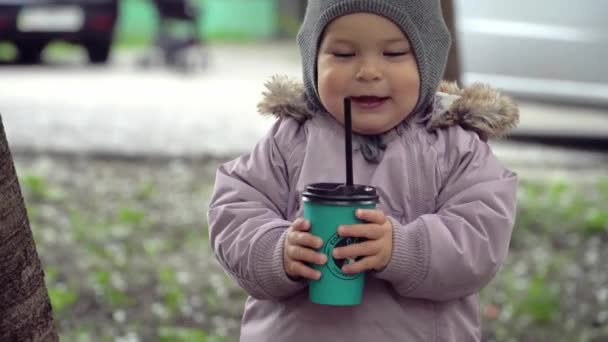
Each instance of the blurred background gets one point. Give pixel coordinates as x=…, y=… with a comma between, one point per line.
x=119, y=112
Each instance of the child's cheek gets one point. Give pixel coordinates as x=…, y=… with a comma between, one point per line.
x=332, y=91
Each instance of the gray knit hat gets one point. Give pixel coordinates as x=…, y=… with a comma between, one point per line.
x=421, y=20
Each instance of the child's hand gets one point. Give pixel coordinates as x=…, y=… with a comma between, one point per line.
x=376, y=252
x=300, y=249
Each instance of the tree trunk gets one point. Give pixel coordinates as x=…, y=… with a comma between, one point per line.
x=25, y=309
x=452, y=72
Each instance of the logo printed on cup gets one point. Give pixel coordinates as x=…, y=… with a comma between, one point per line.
x=335, y=265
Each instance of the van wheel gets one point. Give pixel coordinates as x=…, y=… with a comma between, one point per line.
x=29, y=52
x=99, y=51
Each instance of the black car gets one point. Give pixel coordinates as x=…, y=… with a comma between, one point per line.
x=32, y=24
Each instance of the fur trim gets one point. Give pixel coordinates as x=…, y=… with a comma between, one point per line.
x=284, y=98
x=479, y=107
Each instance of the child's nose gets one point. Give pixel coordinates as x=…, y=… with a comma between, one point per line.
x=368, y=71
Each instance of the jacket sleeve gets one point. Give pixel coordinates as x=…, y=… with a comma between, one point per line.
x=247, y=224
x=457, y=250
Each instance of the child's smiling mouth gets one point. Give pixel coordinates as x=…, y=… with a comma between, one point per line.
x=369, y=102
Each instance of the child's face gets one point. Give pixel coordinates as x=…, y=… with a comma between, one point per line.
x=367, y=57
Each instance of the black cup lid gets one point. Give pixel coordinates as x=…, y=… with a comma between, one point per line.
x=340, y=192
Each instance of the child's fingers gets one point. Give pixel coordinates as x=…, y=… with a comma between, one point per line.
x=371, y=215
x=300, y=225
x=299, y=253
x=365, y=264
x=366, y=248
x=304, y=239
x=298, y=269
x=299, y=235
x=367, y=231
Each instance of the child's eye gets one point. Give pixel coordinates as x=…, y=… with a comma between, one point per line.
x=343, y=55
x=395, y=54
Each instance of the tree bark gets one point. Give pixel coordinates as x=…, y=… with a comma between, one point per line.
x=25, y=308
x=452, y=72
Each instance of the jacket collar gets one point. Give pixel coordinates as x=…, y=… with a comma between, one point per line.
x=478, y=107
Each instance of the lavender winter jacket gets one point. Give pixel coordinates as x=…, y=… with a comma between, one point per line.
x=451, y=202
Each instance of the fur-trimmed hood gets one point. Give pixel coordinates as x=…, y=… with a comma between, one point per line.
x=478, y=107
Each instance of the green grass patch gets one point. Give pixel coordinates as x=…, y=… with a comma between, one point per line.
x=38, y=189
x=7, y=51
x=62, y=297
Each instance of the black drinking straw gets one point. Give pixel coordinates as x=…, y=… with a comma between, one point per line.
x=348, y=138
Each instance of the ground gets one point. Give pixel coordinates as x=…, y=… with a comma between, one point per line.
x=125, y=247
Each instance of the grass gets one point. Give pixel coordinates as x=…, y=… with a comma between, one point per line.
x=129, y=255
x=126, y=254
x=552, y=284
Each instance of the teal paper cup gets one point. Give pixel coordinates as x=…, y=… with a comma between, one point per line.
x=328, y=206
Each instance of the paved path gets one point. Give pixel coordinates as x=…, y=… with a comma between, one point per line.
x=122, y=109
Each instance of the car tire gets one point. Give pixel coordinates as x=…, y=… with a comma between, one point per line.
x=99, y=51
x=29, y=52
